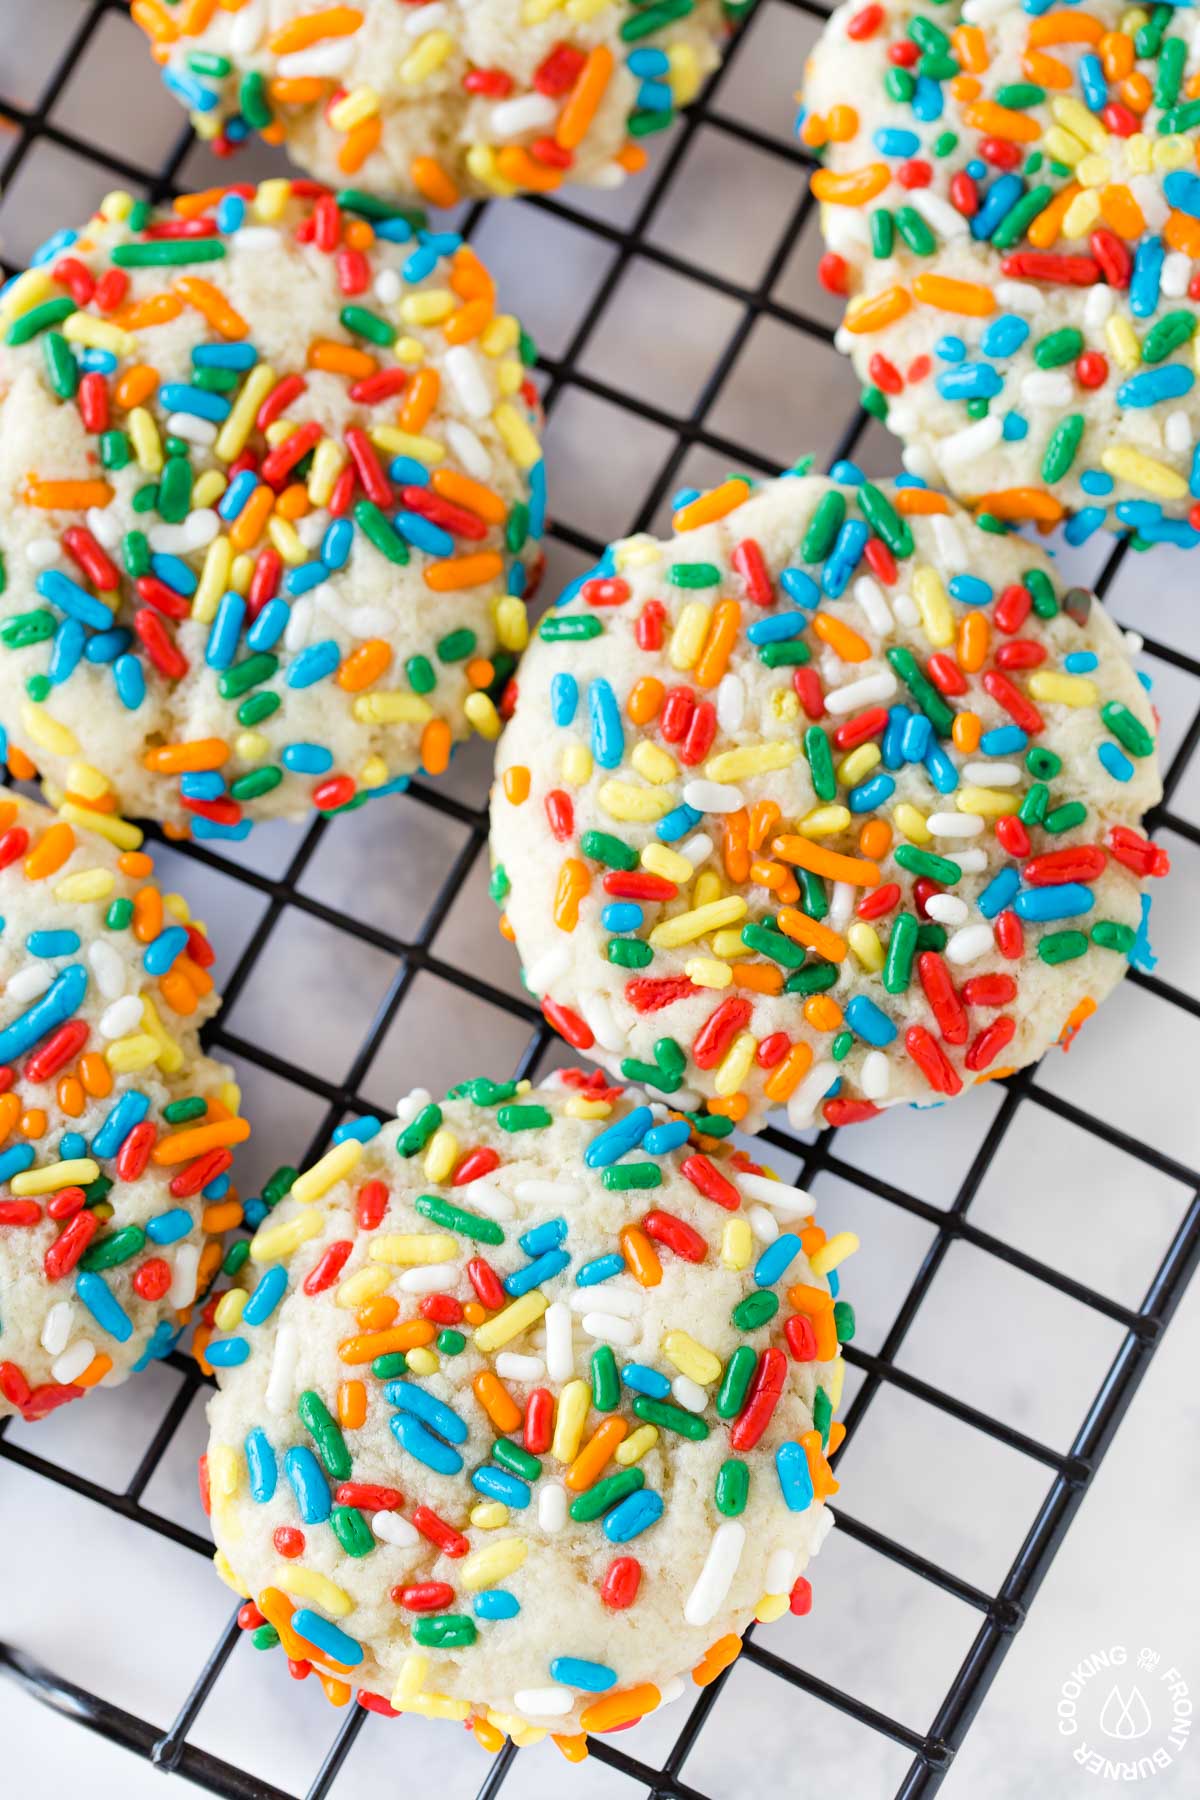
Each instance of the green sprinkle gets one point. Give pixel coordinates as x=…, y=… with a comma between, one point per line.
x=1111, y=936
x=114, y=449
x=735, y=1381
x=456, y=1218
x=902, y=943
x=118, y=915
x=812, y=980
x=40, y=318
x=255, y=783
x=884, y=520
x=1045, y=603
x=1129, y=731
x=278, y=1184
x=117, y=1248
x=135, y=553
x=653, y=18
x=1019, y=95
x=351, y=1530
x=451, y=1342
x=384, y=1368
x=146, y=498
x=1062, y=946
x=621, y=1176
x=883, y=233
x=669, y=1417
x=822, y=1414
x=380, y=532
x=899, y=85
x=61, y=367
x=28, y=628
x=1043, y=764
x=516, y=1459
x=602, y=847
x=416, y=1135
x=812, y=894
x=823, y=527
x=773, y=944
x=605, y=1494
x=175, y=489
x=1063, y=447
x=1011, y=228
x=925, y=862
x=732, y=1487
x=694, y=575
x=922, y=689
x=456, y=646
x=257, y=708
x=929, y=37
x=1058, y=347
x=1032, y=809
x=178, y=1112
x=420, y=674
x=1166, y=335
x=168, y=252
x=1171, y=61
x=326, y=1434
x=790, y=653
x=755, y=1310
x=1065, y=817
x=253, y=104
x=444, y=1631
x=370, y=206
x=841, y=1046
x=915, y=231
x=236, y=1256
x=629, y=953
x=874, y=401
x=573, y=628
x=843, y=1320
x=606, y=1383
x=365, y=323
x=251, y=672
x=516, y=529
x=524, y=1118
x=264, y=1637
x=38, y=687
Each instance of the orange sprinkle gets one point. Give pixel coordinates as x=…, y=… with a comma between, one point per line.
x=516, y=784
x=1002, y=122
x=837, y=1436
x=575, y=1749
x=619, y=1709
x=584, y=99
x=717, y=1657
x=147, y=914
x=473, y=1313
x=1044, y=230
x=251, y=522
x=197, y=15
x=807, y=855
x=462, y=491
x=359, y=143
x=817, y=1306
x=773, y=875
x=496, y=1400
x=842, y=640
x=965, y=88
x=715, y=504
x=221, y=1216
x=211, y=303
x=1119, y=209
x=968, y=297
x=195, y=755
x=875, y=839
x=573, y=883
x=1065, y=28
x=813, y=134
x=763, y=816
x=293, y=503
x=135, y=385
x=822, y=1475
x=1047, y=71
x=364, y=665
x=645, y=698
x=296, y=90
x=516, y=165
x=65, y=496
x=178, y=993
x=736, y=846
x=155, y=21
x=8, y=814
x=190, y=206
x=913, y=501
x=432, y=181
x=1183, y=233
x=143, y=315
x=853, y=188
x=731, y=1106
x=181, y=1146
x=377, y=1313
x=410, y=1335
x=869, y=313
x=136, y=864
x=10, y=1112
x=971, y=45
x=841, y=122
x=340, y=359
x=210, y=1262
x=641, y=1256
x=787, y=1075
x=96, y=1370
x=633, y=160
x=463, y=326
x=33, y=1123
x=70, y=1095
x=464, y=571
x=1021, y=503
x=974, y=637
x=812, y=934
x=420, y=398
x=1116, y=54
x=1136, y=92
x=51, y=852
x=822, y=1012
x=488, y=1737
x=313, y=28
x=722, y=636
x=470, y=278
x=435, y=747
x=758, y=978
x=588, y=1466
x=967, y=731
x=95, y=1075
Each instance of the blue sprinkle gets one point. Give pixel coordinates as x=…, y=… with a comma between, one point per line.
x=1005, y=740
x=869, y=1022
x=426, y=1407
x=236, y=494
x=601, y=1268
x=622, y=915
x=361, y=1130
x=327, y=1637
x=572, y=1671
x=608, y=739
x=225, y=631
x=52, y=943
x=778, y=1256
x=73, y=600
x=422, y=262
x=261, y=1465
x=174, y=573
x=225, y=356
x=950, y=349
x=891, y=140
x=1148, y=261
x=1081, y=662
x=970, y=381
x=564, y=698
x=408, y=471
x=498, y=1484
x=160, y=955
x=53, y=1008
x=1141, y=956
x=998, y=893
x=421, y=1444
x=423, y=534
x=130, y=678
x=1004, y=336
x=106, y=646
x=497, y=1603
x=306, y=1478
x=970, y=590
x=546, y=1236
x=198, y=403
x=799, y=586
x=302, y=580
x=848, y=473
x=544, y=1268
x=269, y=625
x=537, y=500
x=940, y=770
x=671, y=1136
x=619, y=1139
x=209, y=828
x=844, y=557
x=636, y=1513
x=928, y=99
x=188, y=88
x=654, y=96
x=893, y=737
x=65, y=654
x=315, y=663
x=335, y=544
x=102, y=1303
x=795, y=1482
x=998, y=202
x=869, y=795
x=778, y=628
x=1182, y=189
x=1115, y=761
x=645, y=1380
x=1064, y=900
x=21, y=1156
x=918, y=733
x=1170, y=382
x=644, y=62
x=129, y=1111
x=1015, y=427
x=1093, y=81
x=227, y=1353
x=307, y=759
x=169, y=1227
x=268, y=1292
x=1096, y=481
x=98, y=362
x=677, y=824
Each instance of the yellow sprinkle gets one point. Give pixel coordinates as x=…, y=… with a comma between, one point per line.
x=98, y=334
x=310, y=1584
x=373, y=773
x=512, y=622
x=207, y=491
x=118, y=831
x=413, y=1672
x=579, y=1108
x=88, y=884
x=251, y=746
x=271, y=197
x=1122, y=341
x=933, y=604
x=359, y=104
x=1139, y=153
x=483, y=1568
x=1078, y=120
x=864, y=941
x=736, y=1064
x=1094, y=171
x=858, y=765
x=329, y=459
x=224, y=1465
x=241, y=574
x=519, y=439
x=686, y=927
x=1063, y=146
x=707, y=888
x=634, y=805
x=438, y=1706
x=751, y=759
x=1142, y=471
x=413, y=1247
x=503, y=334
x=576, y=763
x=83, y=779
x=1170, y=153
x=685, y=75
x=653, y=763
x=392, y=709
x=771, y=1607
x=1067, y=690
x=480, y=710
x=224, y=1568
x=833, y=1251
x=509, y=375
x=660, y=859
x=129, y=1055
x=441, y=1154
x=824, y=821
x=46, y=732
x=427, y=56
x=488, y=1515
x=690, y=1358
x=987, y=803
x=421, y=1359
x=275, y=1243
x=364, y=1284
x=170, y=1056
x=569, y=1417
x=75, y=1172
x=177, y=906
x=333, y=1167
x=707, y=972
x=737, y=1244
x=729, y=944
x=515, y=1318
x=214, y=580
x=286, y=539
x=231, y=439
x=687, y=639
x=26, y=292
x=636, y=1445
x=406, y=443
x=227, y=1315
x=481, y=161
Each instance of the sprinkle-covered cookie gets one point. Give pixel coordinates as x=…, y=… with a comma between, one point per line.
x=447, y=98
x=831, y=800
x=271, y=495
x=116, y=1132
x=529, y=1410
x=1010, y=199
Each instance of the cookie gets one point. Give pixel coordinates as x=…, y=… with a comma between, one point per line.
x=1010, y=198
x=271, y=496
x=831, y=800
x=116, y=1131
x=465, y=97
x=529, y=1410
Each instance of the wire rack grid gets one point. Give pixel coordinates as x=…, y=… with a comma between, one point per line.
x=658, y=254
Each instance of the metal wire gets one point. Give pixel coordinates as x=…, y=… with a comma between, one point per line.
x=1001, y=1613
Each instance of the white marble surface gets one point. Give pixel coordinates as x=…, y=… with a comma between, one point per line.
x=126, y=1612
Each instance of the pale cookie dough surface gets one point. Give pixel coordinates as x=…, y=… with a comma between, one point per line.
x=189, y=622
x=1043, y=164
x=116, y=1130
x=655, y=807
x=524, y=1540
x=453, y=98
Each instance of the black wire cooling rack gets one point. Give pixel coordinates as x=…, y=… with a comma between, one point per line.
x=1071, y=1471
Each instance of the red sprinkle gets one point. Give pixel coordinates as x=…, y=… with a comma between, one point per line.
x=747, y=559
x=676, y=1234
x=325, y=1272
x=710, y=1182
x=931, y=1059
x=942, y=996
x=539, y=1421
x=622, y=1579
x=766, y=1385
x=990, y=1042
x=719, y=1030
x=369, y=1496
x=486, y=1282
x=577, y=1032
x=448, y=1541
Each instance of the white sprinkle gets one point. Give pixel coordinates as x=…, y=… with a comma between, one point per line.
x=552, y=1507
x=793, y=1202
x=298, y=629
x=690, y=1395
x=906, y=609
x=122, y=1017
x=31, y=981
x=469, y=381
x=973, y=441
x=283, y=1369
x=197, y=530
x=388, y=286
x=969, y=944
x=510, y=1366
x=991, y=774
x=1176, y=273
x=560, y=1348
x=598, y=1016
x=56, y=1331
x=467, y=448
x=543, y=973
x=329, y=58
x=971, y=862
x=103, y=526
x=108, y=968
x=393, y=1528
x=1047, y=387
x=194, y=430
x=697, y=850
x=938, y=212
x=731, y=702
x=260, y=239
x=781, y=1571
x=1097, y=305
x=947, y=909
x=1018, y=296
x=950, y=545
x=549, y=1193
x=670, y=1691
x=547, y=1702
x=246, y=29
x=487, y=1198
x=712, y=796
x=841, y=905
x=182, y=1290
x=955, y=825
x=854, y=694
x=762, y=1223
x=875, y=1078
x=73, y=1361
x=716, y=1577
x=609, y=1329
x=42, y=553
x=429, y=1279
x=410, y=1104
x=425, y=18
x=311, y=529
x=606, y=1296
x=1177, y=432
x=873, y=601
x=513, y=118
x=802, y=1107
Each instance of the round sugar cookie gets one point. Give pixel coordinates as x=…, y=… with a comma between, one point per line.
x=465, y=97
x=116, y=1131
x=1010, y=198
x=830, y=800
x=271, y=496
x=529, y=1410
